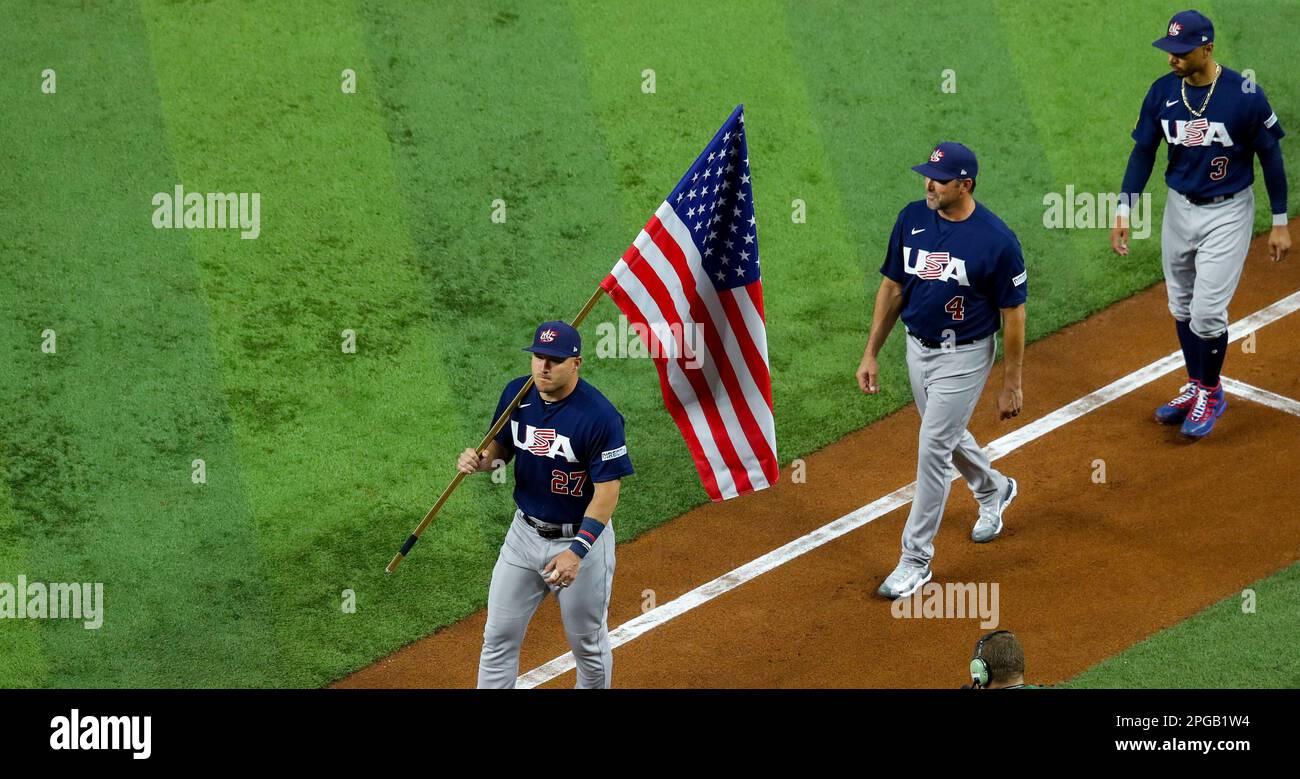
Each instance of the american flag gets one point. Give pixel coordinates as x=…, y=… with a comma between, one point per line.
x=690, y=287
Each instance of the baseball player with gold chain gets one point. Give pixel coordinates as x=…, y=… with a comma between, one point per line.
x=1215, y=121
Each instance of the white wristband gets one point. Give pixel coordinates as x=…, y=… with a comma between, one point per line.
x=1121, y=208
x=1279, y=220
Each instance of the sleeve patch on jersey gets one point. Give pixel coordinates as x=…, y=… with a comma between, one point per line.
x=1270, y=121
x=1020, y=278
x=614, y=454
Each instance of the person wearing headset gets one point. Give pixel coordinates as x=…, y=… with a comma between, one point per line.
x=998, y=663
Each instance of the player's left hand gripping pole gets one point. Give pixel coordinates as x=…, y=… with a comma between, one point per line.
x=496, y=428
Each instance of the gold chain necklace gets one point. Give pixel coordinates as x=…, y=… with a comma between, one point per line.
x=1206, y=103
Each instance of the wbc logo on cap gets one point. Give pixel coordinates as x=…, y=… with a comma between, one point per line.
x=1174, y=29
x=937, y=155
x=547, y=336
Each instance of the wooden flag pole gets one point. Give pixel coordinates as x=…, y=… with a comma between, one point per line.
x=496, y=428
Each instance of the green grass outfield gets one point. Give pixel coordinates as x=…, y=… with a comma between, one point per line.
x=177, y=345
x=1245, y=640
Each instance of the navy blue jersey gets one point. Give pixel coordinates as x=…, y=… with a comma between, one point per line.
x=561, y=449
x=955, y=275
x=1212, y=154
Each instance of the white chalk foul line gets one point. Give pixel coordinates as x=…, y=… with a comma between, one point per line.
x=1261, y=396
x=899, y=497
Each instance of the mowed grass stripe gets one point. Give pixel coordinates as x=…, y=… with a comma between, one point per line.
x=488, y=104
x=20, y=642
x=101, y=433
x=706, y=60
x=343, y=453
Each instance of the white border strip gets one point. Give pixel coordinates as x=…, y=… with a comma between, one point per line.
x=903, y=495
x=1261, y=396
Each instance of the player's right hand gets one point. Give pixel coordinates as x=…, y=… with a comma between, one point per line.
x=1010, y=401
x=471, y=461
x=1279, y=243
x=869, y=375
x=1119, y=236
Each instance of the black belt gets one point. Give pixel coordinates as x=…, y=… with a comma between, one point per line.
x=930, y=343
x=550, y=530
x=1205, y=201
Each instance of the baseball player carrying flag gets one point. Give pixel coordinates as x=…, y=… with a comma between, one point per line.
x=693, y=269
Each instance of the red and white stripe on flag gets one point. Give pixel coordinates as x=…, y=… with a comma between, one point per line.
x=709, y=344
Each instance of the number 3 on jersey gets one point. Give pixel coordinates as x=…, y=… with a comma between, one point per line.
x=956, y=307
x=1220, y=165
x=567, y=483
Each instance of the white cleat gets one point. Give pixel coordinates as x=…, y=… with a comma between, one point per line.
x=905, y=580
x=989, y=525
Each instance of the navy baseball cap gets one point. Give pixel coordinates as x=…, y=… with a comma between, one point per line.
x=556, y=339
x=949, y=160
x=1188, y=30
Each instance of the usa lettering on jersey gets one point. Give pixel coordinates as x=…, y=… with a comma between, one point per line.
x=543, y=442
x=1197, y=132
x=935, y=266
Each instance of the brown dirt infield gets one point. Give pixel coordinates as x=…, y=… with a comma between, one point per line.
x=1084, y=570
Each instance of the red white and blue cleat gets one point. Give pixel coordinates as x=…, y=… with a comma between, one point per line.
x=1176, y=410
x=1209, y=405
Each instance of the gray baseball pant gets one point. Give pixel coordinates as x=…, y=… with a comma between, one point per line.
x=518, y=588
x=946, y=385
x=1204, y=250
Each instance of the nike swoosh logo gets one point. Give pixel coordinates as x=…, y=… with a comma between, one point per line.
x=914, y=232
x=525, y=405
x=1171, y=102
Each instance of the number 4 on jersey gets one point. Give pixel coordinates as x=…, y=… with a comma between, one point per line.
x=956, y=307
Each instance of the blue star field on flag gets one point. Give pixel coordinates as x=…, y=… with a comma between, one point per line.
x=716, y=201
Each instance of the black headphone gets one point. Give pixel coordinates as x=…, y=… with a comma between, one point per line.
x=979, y=669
